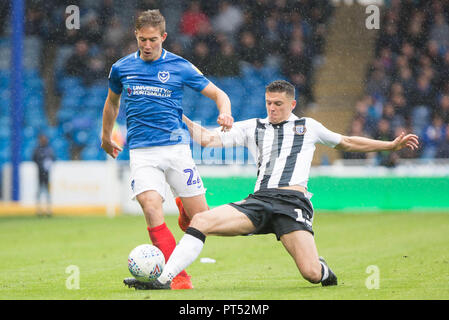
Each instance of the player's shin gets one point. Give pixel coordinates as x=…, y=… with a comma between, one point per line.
x=187, y=250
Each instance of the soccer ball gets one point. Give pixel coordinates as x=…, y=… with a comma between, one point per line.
x=145, y=262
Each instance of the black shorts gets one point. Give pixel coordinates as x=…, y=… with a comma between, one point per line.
x=278, y=211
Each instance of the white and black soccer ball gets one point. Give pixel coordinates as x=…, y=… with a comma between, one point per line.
x=146, y=262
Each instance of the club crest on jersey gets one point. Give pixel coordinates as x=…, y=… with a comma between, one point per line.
x=163, y=76
x=300, y=129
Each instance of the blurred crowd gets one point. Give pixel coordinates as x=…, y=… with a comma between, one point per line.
x=219, y=36
x=407, y=83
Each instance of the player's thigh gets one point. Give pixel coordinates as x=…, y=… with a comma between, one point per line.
x=301, y=246
x=151, y=203
x=182, y=174
x=223, y=221
x=146, y=175
x=195, y=204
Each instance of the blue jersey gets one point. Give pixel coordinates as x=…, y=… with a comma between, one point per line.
x=152, y=92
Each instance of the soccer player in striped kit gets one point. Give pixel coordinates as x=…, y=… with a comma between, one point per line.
x=283, y=146
x=152, y=81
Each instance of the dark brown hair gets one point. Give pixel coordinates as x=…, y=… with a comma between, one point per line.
x=152, y=18
x=281, y=86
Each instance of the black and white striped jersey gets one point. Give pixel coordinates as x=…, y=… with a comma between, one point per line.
x=284, y=151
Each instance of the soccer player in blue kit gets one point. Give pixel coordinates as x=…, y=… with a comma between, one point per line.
x=152, y=81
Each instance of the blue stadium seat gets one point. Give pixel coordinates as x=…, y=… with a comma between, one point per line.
x=67, y=83
x=69, y=101
x=60, y=147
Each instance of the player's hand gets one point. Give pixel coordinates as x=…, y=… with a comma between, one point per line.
x=225, y=120
x=410, y=140
x=111, y=148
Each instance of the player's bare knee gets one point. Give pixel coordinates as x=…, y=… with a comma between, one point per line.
x=202, y=222
x=150, y=206
x=311, y=274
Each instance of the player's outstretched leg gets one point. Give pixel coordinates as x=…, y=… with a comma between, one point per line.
x=328, y=276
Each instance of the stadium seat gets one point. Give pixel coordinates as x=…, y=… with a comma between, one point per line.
x=67, y=82
x=60, y=147
x=92, y=153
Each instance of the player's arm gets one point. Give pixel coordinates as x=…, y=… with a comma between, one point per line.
x=201, y=135
x=225, y=118
x=110, y=113
x=362, y=144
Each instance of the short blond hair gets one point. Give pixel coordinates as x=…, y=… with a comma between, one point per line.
x=152, y=18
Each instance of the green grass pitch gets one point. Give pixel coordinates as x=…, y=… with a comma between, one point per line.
x=409, y=250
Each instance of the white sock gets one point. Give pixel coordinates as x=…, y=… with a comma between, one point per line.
x=324, y=271
x=187, y=250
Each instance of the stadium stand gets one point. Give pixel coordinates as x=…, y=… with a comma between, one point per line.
x=250, y=44
x=407, y=86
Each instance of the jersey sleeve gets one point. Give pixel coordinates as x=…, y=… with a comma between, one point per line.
x=114, y=80
x=323, y=135
x=239, y=133
x=194, y=78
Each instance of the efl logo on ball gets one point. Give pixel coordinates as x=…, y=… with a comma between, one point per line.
x=146, y=262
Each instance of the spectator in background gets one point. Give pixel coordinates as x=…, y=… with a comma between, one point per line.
x=443, y=146
x=93, y=31
x=249, y=50
x=206, y=34
x=192, y=19
x=384, y=133
x=272, y=40
x=415, y=33
x=114, y=31
x=202, y=57
x=432, y=51
x=227, y=63
x=228, y=19
x=77, y=63
x=34, y=21
x=443, y=108
x=44, y=157
x=409, y=51
x=389, y=113
x=105, y=11
x=422, y=103
x=405, y=78
x=440, y=31
x=378, y=83
x=95, y=70
x=433, y=136
x=443, y=73
x=389, y=38
x=296, y=67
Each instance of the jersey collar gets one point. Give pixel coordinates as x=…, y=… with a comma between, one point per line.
x=162, y=57
x=292, y=117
